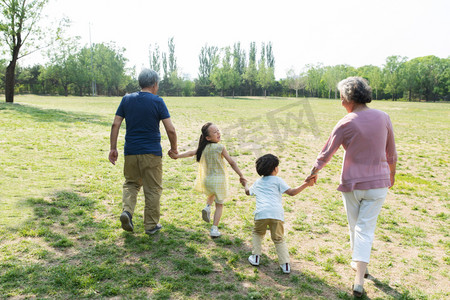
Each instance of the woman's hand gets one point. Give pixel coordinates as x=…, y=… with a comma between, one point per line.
x=392, y=179
x=312, y=177
x=310, y=181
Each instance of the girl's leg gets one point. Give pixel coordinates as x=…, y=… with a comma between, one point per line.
x=206, y=212
x=218, y=214
x=210, y=199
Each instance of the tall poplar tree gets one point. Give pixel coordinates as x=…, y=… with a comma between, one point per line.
x=251, y=72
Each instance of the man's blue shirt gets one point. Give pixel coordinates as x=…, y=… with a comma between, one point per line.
x=142, y=112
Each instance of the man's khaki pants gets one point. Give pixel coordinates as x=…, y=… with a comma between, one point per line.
x=143, y=170
x=276, y=233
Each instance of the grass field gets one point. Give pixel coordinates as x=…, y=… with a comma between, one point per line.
x=60, y=200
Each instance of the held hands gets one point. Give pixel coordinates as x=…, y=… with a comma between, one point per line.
x=243, y=181
x=311, y=180
x=312, y=177
x=173, y=153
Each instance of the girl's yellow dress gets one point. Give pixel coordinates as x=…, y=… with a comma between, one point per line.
x=212, y=178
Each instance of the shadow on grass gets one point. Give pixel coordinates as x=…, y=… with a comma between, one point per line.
x=54, y=115
x=388, y=290
x=67, y=249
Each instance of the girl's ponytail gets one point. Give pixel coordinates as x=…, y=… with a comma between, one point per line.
x=202, y=141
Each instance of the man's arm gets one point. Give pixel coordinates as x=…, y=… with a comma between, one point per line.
x=113, y=154
x=171, y=134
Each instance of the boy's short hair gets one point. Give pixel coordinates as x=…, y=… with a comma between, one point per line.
x=266, y=164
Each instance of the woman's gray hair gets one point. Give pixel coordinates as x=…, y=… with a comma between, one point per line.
x=355, y=89
x=148, y=78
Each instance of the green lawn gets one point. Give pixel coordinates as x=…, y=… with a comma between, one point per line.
x=60, y=198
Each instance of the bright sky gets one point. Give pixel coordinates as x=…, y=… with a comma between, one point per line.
x=353, y=32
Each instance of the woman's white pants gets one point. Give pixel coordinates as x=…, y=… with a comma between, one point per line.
x=363, y=208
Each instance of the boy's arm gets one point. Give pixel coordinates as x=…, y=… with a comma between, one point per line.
x=297, y=190
x=247, y=190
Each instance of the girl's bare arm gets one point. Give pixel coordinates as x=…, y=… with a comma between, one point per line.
x=232, y=163
x=186, y=154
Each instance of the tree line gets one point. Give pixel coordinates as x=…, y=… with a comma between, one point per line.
x=100, y=69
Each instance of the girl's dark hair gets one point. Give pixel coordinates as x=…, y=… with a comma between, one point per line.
x=266, y=164
x=202, y=141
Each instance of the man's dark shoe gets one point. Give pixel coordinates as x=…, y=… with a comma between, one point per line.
x=127, y=223
x=154, y=230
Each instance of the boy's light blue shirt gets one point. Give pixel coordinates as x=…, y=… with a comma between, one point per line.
x=268, y=191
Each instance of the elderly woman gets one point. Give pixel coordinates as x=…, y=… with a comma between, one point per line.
x=368, y=168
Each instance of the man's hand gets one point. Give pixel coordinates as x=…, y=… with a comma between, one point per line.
x=173, y=153
x=113, y=154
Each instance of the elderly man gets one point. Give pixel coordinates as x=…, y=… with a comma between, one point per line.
x=142, y=112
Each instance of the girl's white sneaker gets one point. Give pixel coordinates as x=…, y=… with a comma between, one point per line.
x=206, y=214
x=214, y=232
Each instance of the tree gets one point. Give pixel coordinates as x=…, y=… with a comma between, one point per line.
x=270, y=59
x=208, y=60
x=392, y=75
x=266, y=76
x=409, y=77
x=172, y=58
x=251, y=73
x=314, y=73
x=63, y=61
x=18, y=23
x=27, y=79
x=171, y=82
x=429, y=71
x=154, y=58
x=444, y=79
x=225, y=77
x=238, y=59
x=374, y=75
x=295, y=81
x=84, y=76
x=109, y=68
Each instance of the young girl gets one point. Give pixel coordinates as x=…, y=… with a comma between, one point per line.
x=212, y=178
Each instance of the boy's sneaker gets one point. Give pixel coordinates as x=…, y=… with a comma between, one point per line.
x=154, y=229
x=214, y=232
x=286, y=268
x=254, y=259
x=206, y=214
x=126, y=219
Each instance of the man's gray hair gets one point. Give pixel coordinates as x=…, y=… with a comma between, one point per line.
x=355, y=89
x=148, y=78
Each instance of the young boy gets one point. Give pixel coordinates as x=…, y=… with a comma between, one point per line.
x=269, y=209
